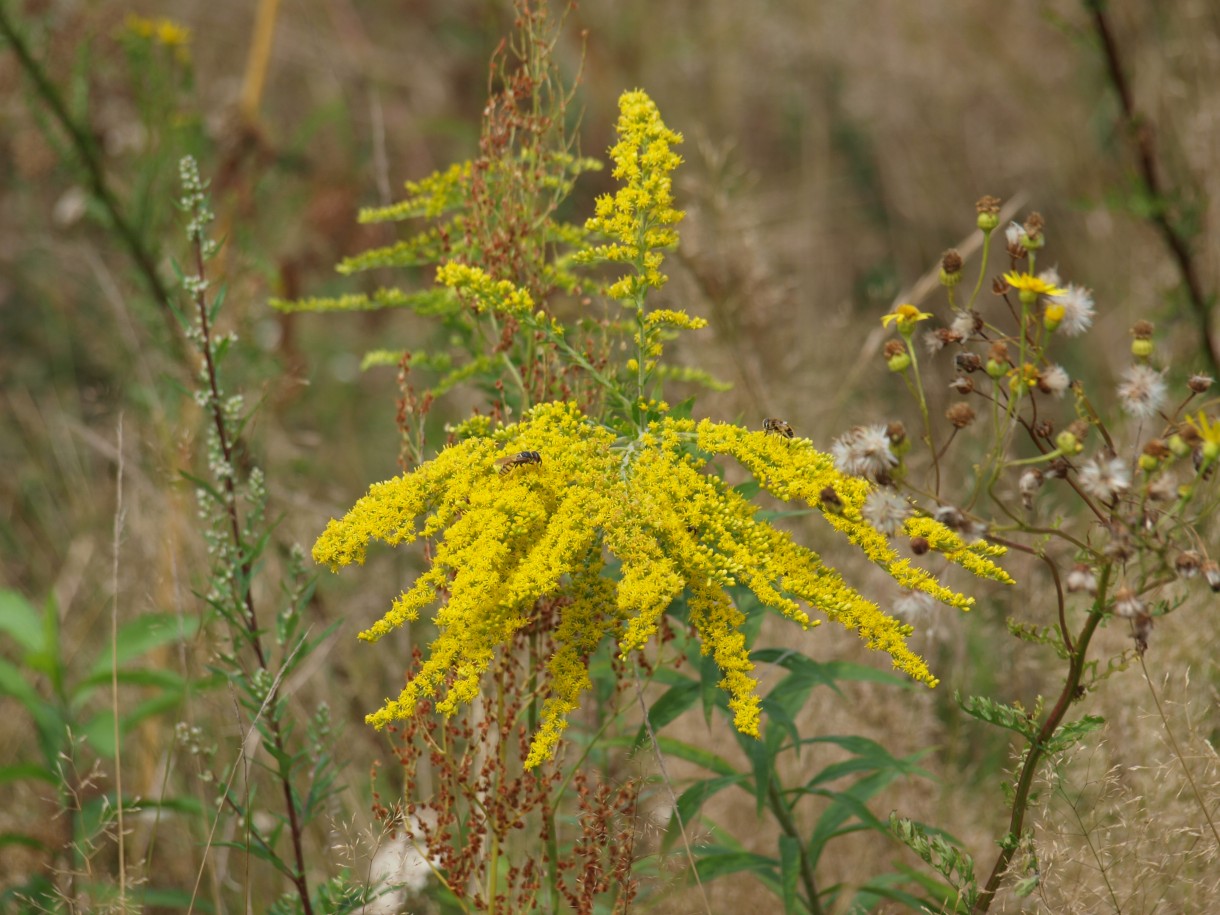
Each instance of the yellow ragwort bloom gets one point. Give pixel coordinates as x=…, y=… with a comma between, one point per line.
x=572, y=498
x=1030, y=284
x=905, y=317
x=640, y=217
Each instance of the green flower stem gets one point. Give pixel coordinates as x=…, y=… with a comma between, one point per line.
x=923, y=408
x=1038, y=749
x=578, y=358
x=783, y=816
x=982, y=269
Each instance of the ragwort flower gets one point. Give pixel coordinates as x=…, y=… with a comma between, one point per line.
x=571, y=504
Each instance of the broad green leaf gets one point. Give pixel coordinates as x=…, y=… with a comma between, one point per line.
x=789, y=870
x=720, y=864
x=672, y=703
x=692, y=800
x=19, y=620
x=144, y=633
x=21, y=771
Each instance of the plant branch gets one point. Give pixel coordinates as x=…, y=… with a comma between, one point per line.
x=1140, y=132
x=86, y=150
x=1038, y=747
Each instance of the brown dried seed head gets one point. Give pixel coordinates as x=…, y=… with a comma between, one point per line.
x=1034, y=224
x=1127, y=603
x=968, y=362
x=1044, y=428
x=999, y=351
x=1142, y=330
x=920, y=545
x=962, y=384
x=1080, y=429
x=999, y=285
x=896, y=432
x=894, y=348
x=960, y=415
x=1156, y=448
x=1199, y=382
x=988, y=204
x=951, y=262
x=1189, y=563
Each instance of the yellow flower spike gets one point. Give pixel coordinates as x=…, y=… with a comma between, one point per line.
x=905, y=317
x=503, y=542
x=639, y=218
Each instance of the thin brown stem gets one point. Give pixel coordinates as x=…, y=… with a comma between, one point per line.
x=225, y=444
x=1140, y=131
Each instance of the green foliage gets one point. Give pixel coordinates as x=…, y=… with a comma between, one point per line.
x=839, y=792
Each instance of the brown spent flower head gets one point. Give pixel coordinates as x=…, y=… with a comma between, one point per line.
x=1044, y=428
x=1211, y=574
x=999, y=285
x=1157, y=449
x=960, y=415
x=1080, y=429
x=1127, y=603
x=896, y=432
x=999, y=351
x=920, y=545
x=1029, y=484
x=893, y=348
x=1142, y=330
x=962, y=384
x=988, y=210
x=988, y=204
x=1034, y=223
x=1082, y=578
x=968, y=362
x=1188, y=564
x=951, y=268
x=1199, y=382
x=936, y=340
x=1141, y=628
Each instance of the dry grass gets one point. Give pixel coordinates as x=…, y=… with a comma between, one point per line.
x=833, y=154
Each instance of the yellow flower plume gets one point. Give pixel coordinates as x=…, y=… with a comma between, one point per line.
x=556, y=528
x=639, y=218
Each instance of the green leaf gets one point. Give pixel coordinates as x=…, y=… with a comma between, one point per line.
x=21, y=771
x=697, y=755
x=19, y=620
x=144, y=633
x=692, y=800
x=711, y=865
x=18, y=838
x=826, y=673
x=673, y=702
x=789, y=870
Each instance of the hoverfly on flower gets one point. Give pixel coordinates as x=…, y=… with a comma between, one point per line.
x=777, y=427
x=520, y=459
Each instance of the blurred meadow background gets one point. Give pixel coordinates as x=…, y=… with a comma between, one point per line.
x=833, y=152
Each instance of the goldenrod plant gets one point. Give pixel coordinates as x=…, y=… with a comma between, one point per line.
x=627, y=487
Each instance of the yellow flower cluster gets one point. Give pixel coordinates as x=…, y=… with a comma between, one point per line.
x=483, y=291
x=640, y=217
x=537, y=509
x=164, y=32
